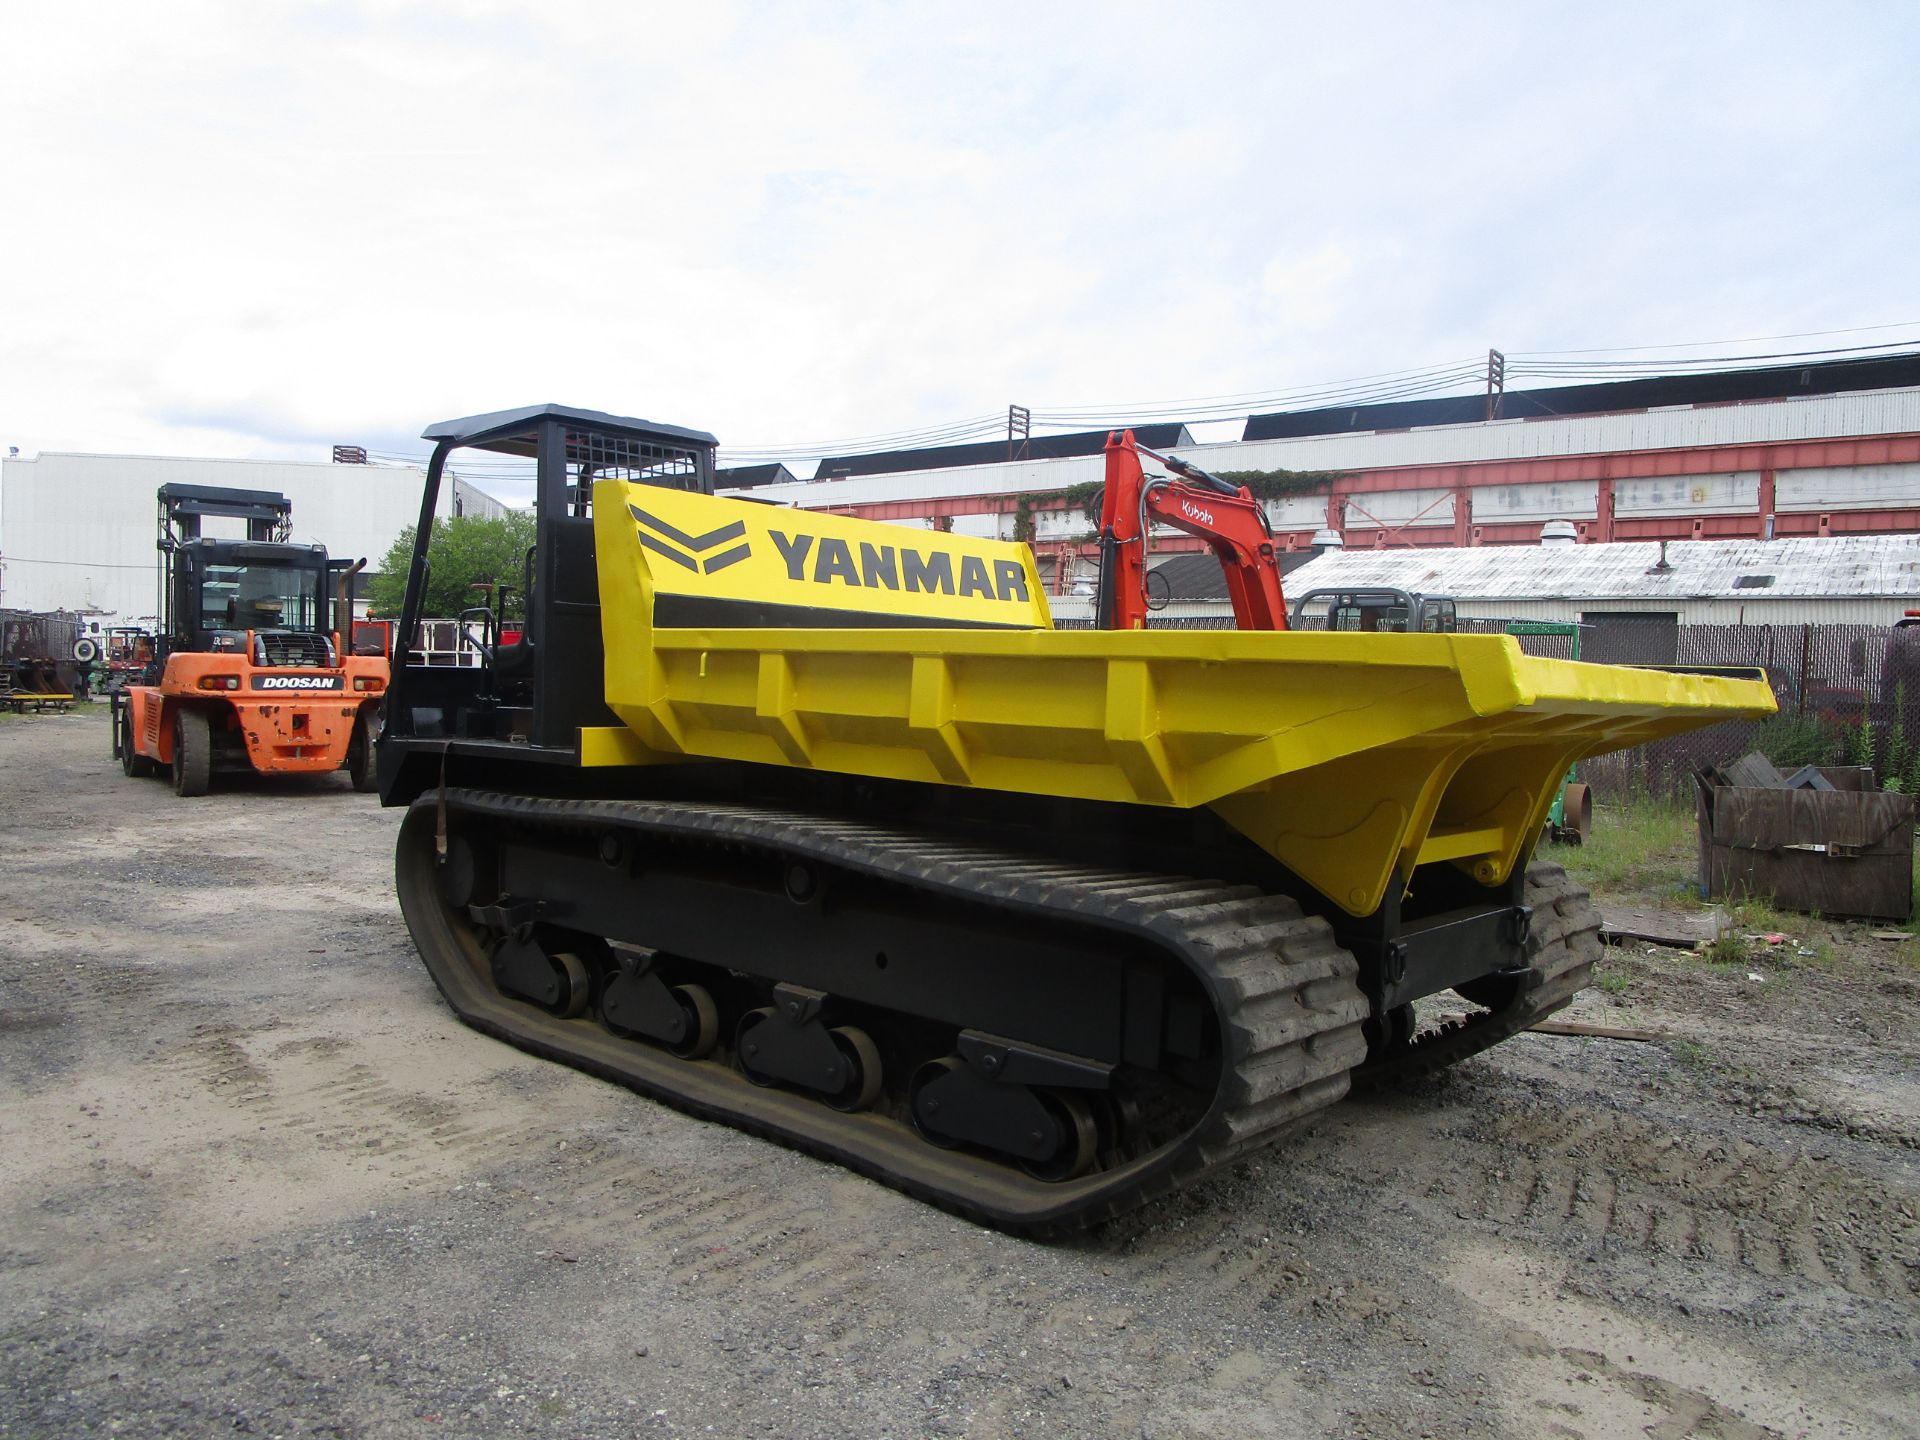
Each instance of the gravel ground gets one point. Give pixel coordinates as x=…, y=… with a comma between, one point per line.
x=258, y=1180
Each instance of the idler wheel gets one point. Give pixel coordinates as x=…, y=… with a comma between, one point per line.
x=1495, y=992
x=1391, y=1034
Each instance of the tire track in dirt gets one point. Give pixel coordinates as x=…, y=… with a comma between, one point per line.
x=312, y=1091
x=1723, y=1200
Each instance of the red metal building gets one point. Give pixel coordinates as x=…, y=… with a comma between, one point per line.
x=1829, y=449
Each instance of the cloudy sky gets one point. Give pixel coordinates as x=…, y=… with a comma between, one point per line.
x=259, y=228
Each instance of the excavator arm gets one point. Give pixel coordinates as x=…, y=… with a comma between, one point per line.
x=1226, y=516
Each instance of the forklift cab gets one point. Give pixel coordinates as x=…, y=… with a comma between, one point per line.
x=216, y=591
x=221, y=589
x=1374, y=608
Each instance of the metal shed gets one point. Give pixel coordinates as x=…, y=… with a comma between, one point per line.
x=1851, y=579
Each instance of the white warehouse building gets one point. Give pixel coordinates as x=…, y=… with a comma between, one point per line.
x=77, y=531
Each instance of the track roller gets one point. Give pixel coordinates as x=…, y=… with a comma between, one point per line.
x=787, y=1043
x=638, y=1002
x=1032, y=1106
x=557, y=983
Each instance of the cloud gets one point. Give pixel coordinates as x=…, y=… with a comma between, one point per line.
x=248, y=229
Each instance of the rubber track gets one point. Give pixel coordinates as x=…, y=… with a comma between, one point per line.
x=1561, y=947
x=1285, y=992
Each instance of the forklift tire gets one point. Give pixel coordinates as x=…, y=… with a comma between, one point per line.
x=360, y=766
x=132, y=762
x=192, y=753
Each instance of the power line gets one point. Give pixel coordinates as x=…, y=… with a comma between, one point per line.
x=899, y=439
x=1388, y=385
x=1318, y=399
x=1382, y=387
x=1699, y=344
x=1257, y=397
x=1858, y=354
x=78, y=564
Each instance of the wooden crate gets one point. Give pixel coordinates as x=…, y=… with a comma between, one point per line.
x=1832, y=852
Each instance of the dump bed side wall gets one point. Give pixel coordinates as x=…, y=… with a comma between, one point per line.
x=736, y=564
x=1349, y=758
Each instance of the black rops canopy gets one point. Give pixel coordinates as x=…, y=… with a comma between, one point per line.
x=511, y=432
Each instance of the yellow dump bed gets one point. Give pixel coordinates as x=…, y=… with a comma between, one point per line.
x=1348, y=757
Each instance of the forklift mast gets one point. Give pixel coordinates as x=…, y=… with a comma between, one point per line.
x=269, y=514
x=214, y=591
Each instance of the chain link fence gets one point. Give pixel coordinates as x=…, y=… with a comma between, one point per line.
x=1848, y=695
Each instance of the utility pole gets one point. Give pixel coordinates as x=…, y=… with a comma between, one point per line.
x=1496, y=382
x=1019, y=427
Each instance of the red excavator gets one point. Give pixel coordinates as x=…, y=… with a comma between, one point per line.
x=1227, y=516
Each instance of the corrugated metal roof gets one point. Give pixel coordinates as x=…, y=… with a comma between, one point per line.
x=1200, y=577
x=1862, y=566
x=745, y=477
x=1718, y=387
x=1164, y=435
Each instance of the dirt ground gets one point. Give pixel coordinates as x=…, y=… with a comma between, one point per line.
x=258, y=1180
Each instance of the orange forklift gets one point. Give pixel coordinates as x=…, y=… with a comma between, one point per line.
x=247, y=672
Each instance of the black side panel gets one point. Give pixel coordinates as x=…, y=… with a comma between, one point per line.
x=572, y=671
x=692, y=612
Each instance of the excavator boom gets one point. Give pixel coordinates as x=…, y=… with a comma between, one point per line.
x=1228, y=517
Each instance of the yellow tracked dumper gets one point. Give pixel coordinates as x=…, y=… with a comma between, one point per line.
x=820, y=828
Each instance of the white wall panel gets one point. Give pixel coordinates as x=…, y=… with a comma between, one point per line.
x=1383, y=509
x=1298, y=512
x=1781, y=613
x=983, y=527
x=77, y=531
x=1729, y=494
x=1536, y=504
x=1061, y=525
x=1847, y=487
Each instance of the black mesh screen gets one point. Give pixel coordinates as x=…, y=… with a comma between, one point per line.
x=596, y=455
x=287, y=647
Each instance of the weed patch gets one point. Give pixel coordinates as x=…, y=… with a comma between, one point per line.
x=1639, y=846
x=1690, y=1053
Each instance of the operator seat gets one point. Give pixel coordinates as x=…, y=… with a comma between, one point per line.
x=515, y=661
